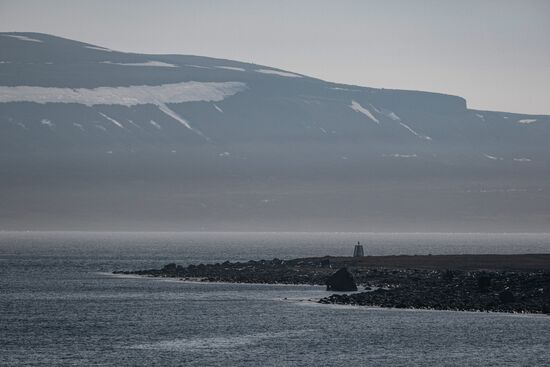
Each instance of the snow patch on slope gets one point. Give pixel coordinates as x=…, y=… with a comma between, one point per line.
x=414, y=132
x=155, y=124
x=125, y=96
x=397, y=155
x=97, y=48
x=230, y=68
x=198, y=66
x=527, y=121
x=344, y=89
x=115, y=122
x=79, y=126
x=389, y=114
x=136, y=125
x=278, y=72
x=492, y=157
x=158, y=95
x=164, y=108
x=392, y=116
x=47, y=123
x=358, y=108
x=147, y=63
x=22, y=38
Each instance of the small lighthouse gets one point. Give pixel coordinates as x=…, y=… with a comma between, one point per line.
x=358, y=250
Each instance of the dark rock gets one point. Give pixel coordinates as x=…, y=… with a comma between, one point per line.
x=448, y=275
x=170, y=267
x=341, y=281
x=506, y=297
x=483, y=282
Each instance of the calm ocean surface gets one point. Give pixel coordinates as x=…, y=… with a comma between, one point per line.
x=59, y=305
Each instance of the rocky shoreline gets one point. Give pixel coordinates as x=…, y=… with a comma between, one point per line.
x=498, y=283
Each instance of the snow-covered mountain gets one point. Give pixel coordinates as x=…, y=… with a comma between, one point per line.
x=92, y=138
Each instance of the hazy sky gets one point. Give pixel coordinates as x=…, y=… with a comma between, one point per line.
x=496, y=53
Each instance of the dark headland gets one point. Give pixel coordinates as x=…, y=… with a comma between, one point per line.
x=499, y=283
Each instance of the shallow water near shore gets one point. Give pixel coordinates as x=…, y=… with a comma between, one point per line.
x=60, y=305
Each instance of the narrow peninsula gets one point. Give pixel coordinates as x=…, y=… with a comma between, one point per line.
x=497, y=283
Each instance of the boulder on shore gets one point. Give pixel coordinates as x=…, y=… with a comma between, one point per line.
x=341, y=281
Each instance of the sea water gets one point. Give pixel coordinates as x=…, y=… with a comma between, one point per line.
x=60, y=305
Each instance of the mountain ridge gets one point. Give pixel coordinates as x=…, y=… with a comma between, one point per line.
x=232, y=145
